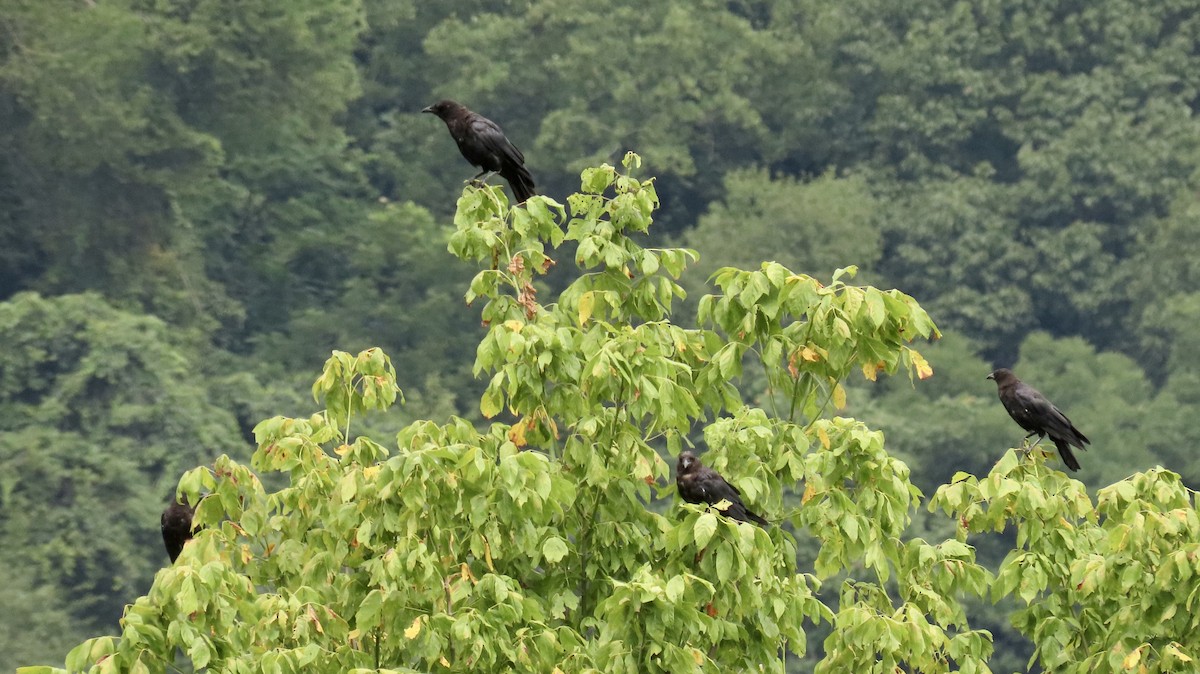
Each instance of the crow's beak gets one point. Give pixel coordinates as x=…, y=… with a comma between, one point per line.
x=991, y=376
x=428, y=109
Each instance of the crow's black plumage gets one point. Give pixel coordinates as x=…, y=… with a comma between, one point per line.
x=698, y=483
x=482, y=142
x=1033, y=412
x=177, y=528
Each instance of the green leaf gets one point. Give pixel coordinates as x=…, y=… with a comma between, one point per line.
x=875, y=309
x=491, y=403
x=725, y=560
x=850, y=526
x=200, y=653
x=675, y=588
x=706, y=526
x=554, y=549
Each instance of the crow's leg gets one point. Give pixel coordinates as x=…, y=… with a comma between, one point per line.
x=1026, y=448
x=486, y=174
x=1025, y=443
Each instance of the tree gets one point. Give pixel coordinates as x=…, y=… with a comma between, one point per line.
x=392, y=287
x=1106, y=585
x=537, y=543
x=788, y=221
x=168, y=155
x=530, y=544
x=100, y=410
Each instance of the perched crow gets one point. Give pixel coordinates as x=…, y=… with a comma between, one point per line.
x=1037, y=415
x=177, y=528
x=482, y=142
x=698, y=483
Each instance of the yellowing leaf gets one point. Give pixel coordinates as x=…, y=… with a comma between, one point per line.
x=697, y=656
x=1173, y=650
x=810, y=354
x=641, y=469
x=443, y=661
x=1132, y=659
x=839, y=396
x=342, y=450
x=587, y=302
x=824, y=437
x=924, y=371
x=349, y=487
x=414, y=629
x=869, y=370
x=516, y=433
x=809, y=493
x=514, y=325
x=489, y=404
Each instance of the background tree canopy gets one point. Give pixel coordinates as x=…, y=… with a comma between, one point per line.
x=200, y=200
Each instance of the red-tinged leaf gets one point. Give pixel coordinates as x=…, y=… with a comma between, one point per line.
x=924, y=370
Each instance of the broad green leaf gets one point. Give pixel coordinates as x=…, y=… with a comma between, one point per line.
x=705, y=527
x=554, y=549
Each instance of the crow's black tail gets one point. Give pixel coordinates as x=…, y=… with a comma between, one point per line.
x=742, y=514
x=521, y=182
x=1064, y=450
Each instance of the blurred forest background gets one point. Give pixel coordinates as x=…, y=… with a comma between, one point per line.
x=199, y=199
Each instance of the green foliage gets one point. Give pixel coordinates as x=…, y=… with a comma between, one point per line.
x=658, y=113
x=816, y=225
x=246, y=173
x=951, y=422
x=44, y=629
x=100, y=410
x=390, y=282
x=1107, y=587
x=465, y=550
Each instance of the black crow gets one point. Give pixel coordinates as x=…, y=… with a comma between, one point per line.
x=177, y=528
x=1037, y=415
x=483, y=143
x=698, y=483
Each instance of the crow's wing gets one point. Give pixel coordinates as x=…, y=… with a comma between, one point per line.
x=492, y=143
x=1039, y=414
x=717, y=487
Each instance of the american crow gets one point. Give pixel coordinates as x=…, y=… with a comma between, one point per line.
x=698, y=483
x=1037, y=415
x=482, y=142
x=177, y=528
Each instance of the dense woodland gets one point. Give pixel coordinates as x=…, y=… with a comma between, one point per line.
x=200, y=199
